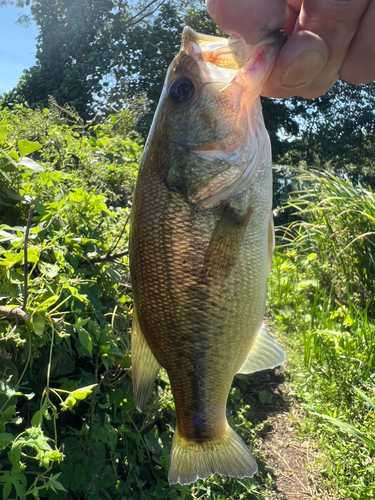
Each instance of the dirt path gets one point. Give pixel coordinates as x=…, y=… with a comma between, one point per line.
x=289, y=465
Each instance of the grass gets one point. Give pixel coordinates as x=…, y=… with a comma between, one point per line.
x=321, y=300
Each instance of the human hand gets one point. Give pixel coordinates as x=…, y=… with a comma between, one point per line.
x=327, y=39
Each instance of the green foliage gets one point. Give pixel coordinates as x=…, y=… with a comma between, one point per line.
x=321, y=295
x=79, y=48
x=73, y=52
x=68, y=423
x=336, y=132
x=151, y=48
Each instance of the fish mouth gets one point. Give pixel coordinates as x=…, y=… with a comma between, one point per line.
x=222, y=52
x=230, y=53
x=205, y=42
x=209, y=42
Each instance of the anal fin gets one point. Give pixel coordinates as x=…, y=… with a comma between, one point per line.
x=264, y=355
x=145, y=367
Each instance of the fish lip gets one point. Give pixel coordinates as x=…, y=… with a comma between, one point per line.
x=206, y=43
x=189, y=34
x=277, y=36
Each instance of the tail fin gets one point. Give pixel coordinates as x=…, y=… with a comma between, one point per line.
x=227, y=455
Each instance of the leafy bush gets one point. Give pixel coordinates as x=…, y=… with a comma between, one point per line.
x=68, y=424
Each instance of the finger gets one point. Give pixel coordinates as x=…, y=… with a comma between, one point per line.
x=291, y=22
x=359, y=63
x=249, y=19
x=336, y=22
x=322, y=35
x=303, y=57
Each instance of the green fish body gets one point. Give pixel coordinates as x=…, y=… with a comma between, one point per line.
x=201, y=246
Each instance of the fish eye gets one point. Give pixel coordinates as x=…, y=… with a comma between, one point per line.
x=181, y=90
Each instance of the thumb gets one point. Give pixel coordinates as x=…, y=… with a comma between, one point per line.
x=249, y=19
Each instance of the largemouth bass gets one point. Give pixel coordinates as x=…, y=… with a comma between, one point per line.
x=201, y=246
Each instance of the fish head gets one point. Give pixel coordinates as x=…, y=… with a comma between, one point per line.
x=209, y=115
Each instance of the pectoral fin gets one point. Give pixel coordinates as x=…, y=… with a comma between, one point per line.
x=264, y=355
x=145, y=367
x=225, y=244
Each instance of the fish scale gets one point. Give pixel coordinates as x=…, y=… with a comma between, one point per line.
x=199, y=269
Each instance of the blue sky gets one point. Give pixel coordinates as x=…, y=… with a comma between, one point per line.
x=17, y=47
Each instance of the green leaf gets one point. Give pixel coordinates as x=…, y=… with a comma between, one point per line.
x=114, y=275
x=3, y=132
x=153, y=444
x=38, y=324
x=14, y=456
x=9, y=158
x=32, y=255
x=37, y=419
x=6, y=416
x=48, y=270
x=69, y=403
x=19, y=482
x=346, y=427
x=31, y=164
x=54, y=484
x=39, y=207
x=265, y=397
x=5, y=439
x=85, y=339
x=83, y=392
x=364, y=396
x=54, y=455
x=7, y=486
x=27, y=147
x=48, y=303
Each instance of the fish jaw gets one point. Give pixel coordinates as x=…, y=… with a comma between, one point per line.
x=254, y=62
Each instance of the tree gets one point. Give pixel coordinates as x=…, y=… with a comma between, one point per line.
x=77, y=46
x=337, y=132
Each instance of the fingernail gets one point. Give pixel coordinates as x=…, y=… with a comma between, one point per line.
x=303, y=68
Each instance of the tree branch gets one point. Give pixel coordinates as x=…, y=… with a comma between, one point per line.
x=14, y=313
x=25, y=269
x=120, y=236
x=108, y=257
x=138, y=18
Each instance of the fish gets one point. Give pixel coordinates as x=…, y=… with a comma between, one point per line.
x=201, y=244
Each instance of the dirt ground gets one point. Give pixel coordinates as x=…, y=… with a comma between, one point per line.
x=294, y=464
